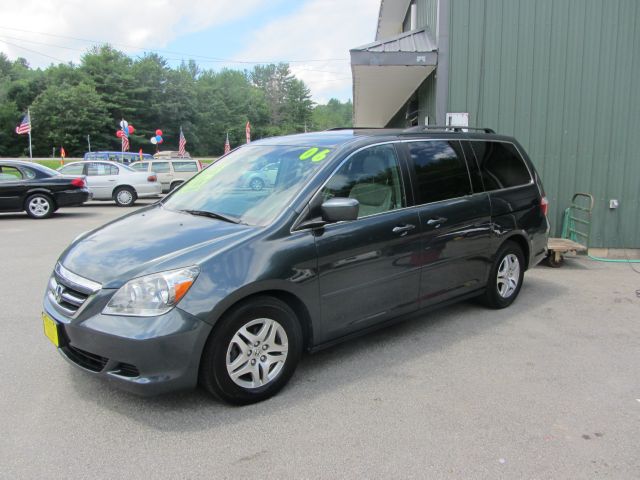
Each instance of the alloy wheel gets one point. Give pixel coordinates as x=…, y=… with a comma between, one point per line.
x=39, y=206
x=508, y=275
x=257, y=353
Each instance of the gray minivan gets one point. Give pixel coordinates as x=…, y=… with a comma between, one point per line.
x=226, y=285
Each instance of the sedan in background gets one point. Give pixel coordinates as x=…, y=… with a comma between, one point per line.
x=38, y=190
x=114, y=181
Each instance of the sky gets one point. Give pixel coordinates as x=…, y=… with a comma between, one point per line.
x=314, y=36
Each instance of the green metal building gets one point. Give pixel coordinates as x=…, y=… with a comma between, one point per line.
x=562, y=76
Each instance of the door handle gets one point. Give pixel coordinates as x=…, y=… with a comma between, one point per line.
x=403, y=229
x=436, y=221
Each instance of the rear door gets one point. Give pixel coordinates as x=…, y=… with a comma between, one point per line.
x=455, y=221
x=163, y=171
x=184, y=169
x=366, y=268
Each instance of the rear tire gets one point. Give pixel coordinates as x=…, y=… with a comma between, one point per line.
x=252, y=352
x=506, y=276
x=125, y=196
x=39, y=205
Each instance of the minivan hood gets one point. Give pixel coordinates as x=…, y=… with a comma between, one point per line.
x=151, y=240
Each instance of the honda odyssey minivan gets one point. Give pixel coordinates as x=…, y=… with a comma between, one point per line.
x=224, y=285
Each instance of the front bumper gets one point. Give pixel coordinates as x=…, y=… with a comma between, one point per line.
x=145, y=356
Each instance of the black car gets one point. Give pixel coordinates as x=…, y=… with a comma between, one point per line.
x=226, y=285
x=38, y=190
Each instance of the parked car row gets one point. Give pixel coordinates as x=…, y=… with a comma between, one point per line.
x=40, y=191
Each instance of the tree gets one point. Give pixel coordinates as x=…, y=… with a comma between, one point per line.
x=64, y=115
x=332, y=115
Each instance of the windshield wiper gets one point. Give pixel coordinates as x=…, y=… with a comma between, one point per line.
x=219, y=216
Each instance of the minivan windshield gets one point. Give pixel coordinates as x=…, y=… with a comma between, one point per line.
x=251, y=185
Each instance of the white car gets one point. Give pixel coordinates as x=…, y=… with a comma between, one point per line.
x=114, y=181
x=171, y=172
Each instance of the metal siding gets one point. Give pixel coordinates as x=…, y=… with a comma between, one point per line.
x=427, y=15
x=427, y=100
x=559, y=76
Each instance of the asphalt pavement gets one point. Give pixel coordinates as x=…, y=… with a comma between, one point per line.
x=548, y=388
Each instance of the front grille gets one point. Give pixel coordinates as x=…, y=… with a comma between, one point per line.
x=69, y=291
x=85, y=359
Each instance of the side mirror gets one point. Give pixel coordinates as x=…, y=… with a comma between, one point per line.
x=340, y=209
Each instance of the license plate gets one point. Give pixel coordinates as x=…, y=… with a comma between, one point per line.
x=50, y=329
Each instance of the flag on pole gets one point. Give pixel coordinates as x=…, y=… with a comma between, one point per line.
x=25, y=125
x=140, y=153
x=124, y=126
x=125, y=143
x=247, y=130
x=63, y=154
x=227, y=145
x=182, y=144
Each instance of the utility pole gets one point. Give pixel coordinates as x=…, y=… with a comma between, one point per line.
x=89, y=142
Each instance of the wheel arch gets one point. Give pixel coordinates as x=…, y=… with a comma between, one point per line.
x=520, y=239
x=40, y=190
x=124, y=185
x=292, y=300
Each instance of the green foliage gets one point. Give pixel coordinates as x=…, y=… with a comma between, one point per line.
x=332, y=115
x=69, y=102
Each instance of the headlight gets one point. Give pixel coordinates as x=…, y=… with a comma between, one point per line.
x=151, y=295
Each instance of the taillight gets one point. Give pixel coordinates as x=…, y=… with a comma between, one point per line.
x=544, y=205
x=152, y=178
x=77, y=182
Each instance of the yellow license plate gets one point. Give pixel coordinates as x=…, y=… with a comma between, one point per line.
x=50, y=329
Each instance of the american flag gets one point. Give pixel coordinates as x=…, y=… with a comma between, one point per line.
x=125, y=143
x=25, y=125
x=247, y=130
x=227, y=145
x=182, y=144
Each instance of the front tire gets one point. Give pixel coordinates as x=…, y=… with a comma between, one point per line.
x=39, y=205
x=505, y=278
x=256, y=184
x=125, y=196
x=253, y=352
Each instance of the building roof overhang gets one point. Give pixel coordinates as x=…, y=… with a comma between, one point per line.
x=386, y=74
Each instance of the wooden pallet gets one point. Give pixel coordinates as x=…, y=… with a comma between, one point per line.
x=558, y=247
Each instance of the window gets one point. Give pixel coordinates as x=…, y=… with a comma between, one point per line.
x=372, y=177
x=73, y=169
x=186, y=167
x=28, y=173
x=440, y=170
x=9, y=174
x=141, y=167
x=501, y=166
x=160, y=167
x=98, y=169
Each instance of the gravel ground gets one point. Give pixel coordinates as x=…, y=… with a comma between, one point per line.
x=549, y=388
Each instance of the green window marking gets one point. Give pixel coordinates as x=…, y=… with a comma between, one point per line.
x=318, y=157
x=309, y=153
x=202, y=178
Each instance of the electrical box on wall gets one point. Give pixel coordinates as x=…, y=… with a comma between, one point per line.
x=613, y=204
x=458, y=119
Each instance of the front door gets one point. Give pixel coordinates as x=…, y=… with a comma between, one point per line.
x=366, y=270
x=102, y=178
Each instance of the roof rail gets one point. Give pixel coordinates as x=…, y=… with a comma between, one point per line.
x=354, y=128
x=451, y=128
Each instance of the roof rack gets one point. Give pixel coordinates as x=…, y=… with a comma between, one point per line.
x=354, y=128
x=451, y=128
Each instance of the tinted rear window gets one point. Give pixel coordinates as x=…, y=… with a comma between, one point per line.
x=440, y=170
x=501, y=166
